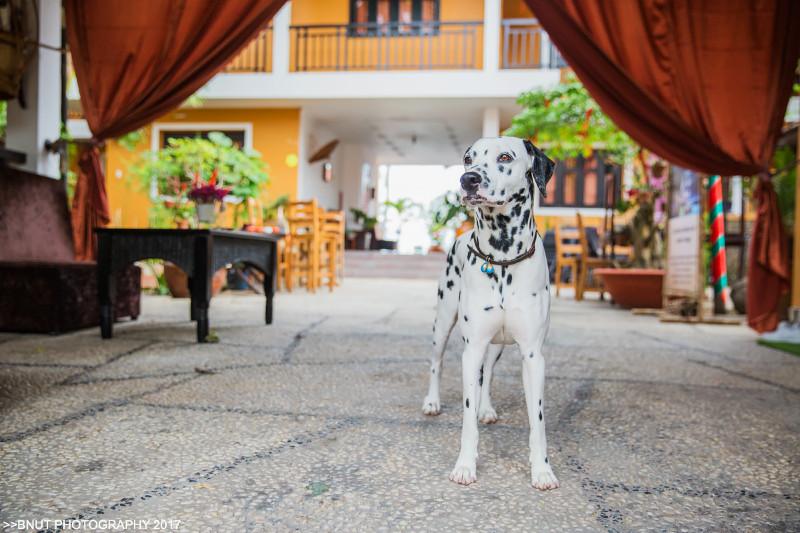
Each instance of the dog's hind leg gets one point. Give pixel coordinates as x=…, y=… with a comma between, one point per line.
x=486, y=412
x=446, y=315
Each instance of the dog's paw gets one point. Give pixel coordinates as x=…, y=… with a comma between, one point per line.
x=487, y=415
x=431, y=406
x=543, y=478
x=463, y=474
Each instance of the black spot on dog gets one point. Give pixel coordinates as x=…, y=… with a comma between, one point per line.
x=450, y=284
x=500, y=168
x=498, y=356
x=519, y=247
x=509, y=172
x=540, y=415
x=441, y=294
x=433, y=370
x=488, y=308
x=458, y=272
x=467, y=403
x=546, y=460
x=531, y=355
x=534, y=294
x=508, y=279
x=486, y=151
x=502, y=192
x=466, y=318
x=540, y=401
x=480, y=377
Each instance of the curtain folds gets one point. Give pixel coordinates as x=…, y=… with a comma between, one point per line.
x=135, y=61
x=703, y=84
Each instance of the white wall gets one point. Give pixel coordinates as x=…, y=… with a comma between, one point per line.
x=310, y=183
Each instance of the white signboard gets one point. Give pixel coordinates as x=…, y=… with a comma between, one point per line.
x=685, y=231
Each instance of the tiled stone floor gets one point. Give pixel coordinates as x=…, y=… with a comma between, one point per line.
x=314, y=423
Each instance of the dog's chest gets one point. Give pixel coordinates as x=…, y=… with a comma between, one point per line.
x=508, y=300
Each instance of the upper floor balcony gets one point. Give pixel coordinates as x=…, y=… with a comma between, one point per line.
x=396, y=46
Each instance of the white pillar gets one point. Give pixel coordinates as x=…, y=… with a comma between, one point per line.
x=544, y=52
x=491, y=122
x=29, y=128
x=492, y=15
x=281, y=39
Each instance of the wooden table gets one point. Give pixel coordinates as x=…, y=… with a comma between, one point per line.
x=198, y=252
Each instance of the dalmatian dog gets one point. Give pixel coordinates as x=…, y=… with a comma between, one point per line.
x=496, y=287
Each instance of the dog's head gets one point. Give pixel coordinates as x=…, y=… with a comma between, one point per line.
x=497, y=169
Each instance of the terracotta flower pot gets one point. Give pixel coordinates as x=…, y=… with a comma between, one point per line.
x=178, y=281
x=633, y=287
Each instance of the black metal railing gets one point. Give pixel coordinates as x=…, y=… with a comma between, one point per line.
x=393, y=46
x=527, y=45
x=256, y=56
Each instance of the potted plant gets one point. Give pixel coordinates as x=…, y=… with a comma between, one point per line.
x=188, y=178
x=205, y=196
x=365, y=237
x=568, y=123
x=405, y=209
x=447, y=213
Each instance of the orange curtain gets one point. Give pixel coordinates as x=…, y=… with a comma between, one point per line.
x=134, y=61
x=702, y=83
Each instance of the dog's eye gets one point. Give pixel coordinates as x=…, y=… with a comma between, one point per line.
x=504, y=158
x=467, y=160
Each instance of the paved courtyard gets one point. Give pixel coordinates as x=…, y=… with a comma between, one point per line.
x=314, y=423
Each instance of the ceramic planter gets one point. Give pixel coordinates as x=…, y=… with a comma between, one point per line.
x=178, y=281
x=633, y=287
x=206, y=213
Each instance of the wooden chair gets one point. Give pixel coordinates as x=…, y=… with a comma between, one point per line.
x=303, y=245
x=587, y=262
x=568, y=252
x=332, y=246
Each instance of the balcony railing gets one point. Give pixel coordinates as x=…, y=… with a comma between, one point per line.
x=526, y=45
x=394, y=46
x=256, y=56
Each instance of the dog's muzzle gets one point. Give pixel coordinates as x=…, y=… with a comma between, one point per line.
x=470, y=182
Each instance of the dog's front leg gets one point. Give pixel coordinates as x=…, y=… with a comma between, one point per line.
x=464, y=471
x=542, y=476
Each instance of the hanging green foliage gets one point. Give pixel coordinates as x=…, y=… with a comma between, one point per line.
x=567, y=122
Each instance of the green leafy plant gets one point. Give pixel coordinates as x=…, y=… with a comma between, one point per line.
x=446, y=211
x=270, y=211
x=367, y=222
x=403, y=206
x=567, y=123
x=186, y=161
x=784, y=182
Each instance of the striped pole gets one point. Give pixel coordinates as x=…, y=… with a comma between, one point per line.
x=716, y=217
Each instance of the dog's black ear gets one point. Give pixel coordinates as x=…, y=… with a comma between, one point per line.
x=541, y=167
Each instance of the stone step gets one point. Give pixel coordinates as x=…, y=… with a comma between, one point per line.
x=376, y=264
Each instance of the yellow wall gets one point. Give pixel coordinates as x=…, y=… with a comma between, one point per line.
x=405, y=50
x=275, y=135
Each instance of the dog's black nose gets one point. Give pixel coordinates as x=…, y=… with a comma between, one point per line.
x=470, y=182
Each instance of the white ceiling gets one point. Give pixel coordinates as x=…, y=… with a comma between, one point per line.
x=419, y=131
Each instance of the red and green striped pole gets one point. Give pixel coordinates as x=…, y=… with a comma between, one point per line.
x=716, y=217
